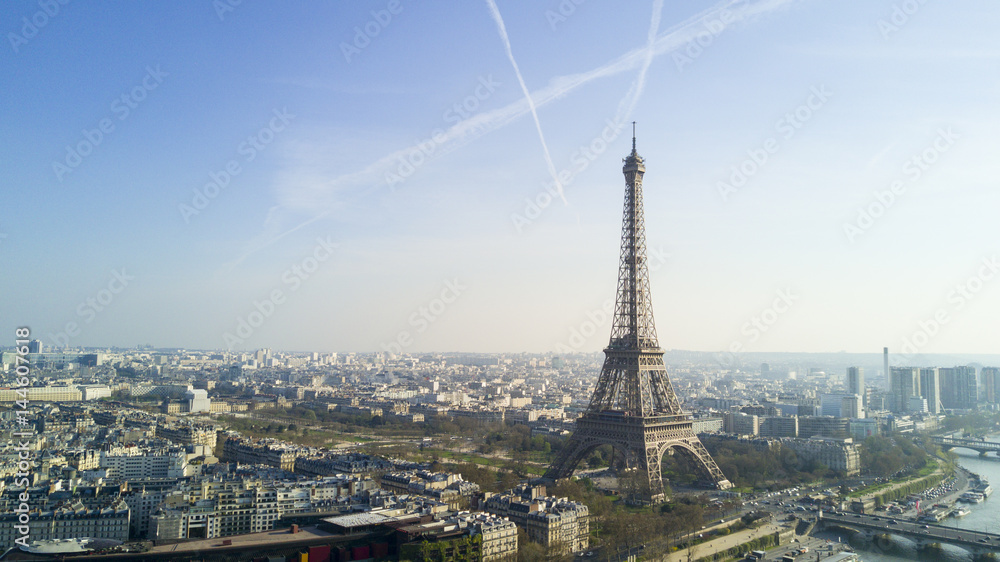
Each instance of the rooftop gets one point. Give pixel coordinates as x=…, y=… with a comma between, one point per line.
x=268, y=538
x=360, y=519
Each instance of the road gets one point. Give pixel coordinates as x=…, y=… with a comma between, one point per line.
x=711, y=547
x=932, y=532
x=814, y=545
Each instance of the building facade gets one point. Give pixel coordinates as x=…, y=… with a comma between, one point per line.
x=841, y=455
x=549, y=521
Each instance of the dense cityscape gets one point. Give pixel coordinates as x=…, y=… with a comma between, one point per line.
x=146, y=451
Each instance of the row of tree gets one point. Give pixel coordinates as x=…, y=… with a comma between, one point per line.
x=746, y=465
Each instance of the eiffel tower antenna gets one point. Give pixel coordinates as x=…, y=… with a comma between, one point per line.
x=634, y=408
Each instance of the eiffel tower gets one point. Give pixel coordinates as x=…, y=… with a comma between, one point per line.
x=634, y=408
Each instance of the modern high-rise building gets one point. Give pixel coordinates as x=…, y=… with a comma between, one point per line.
x=35, y=346
x=930, y=389
x=989, y=382
x=905, y=384
x=856, y=381
x=851, y=407
x=959, y=390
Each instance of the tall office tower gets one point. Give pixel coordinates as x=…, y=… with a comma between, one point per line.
x=35, y=346
x=634, y=408
x=989, y=381
x=930, y=389
x=856, y=381
x=958, y=388
x=885, y=365
x=905, y=384
x=851, y=407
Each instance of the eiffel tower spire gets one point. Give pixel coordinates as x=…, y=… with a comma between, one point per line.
x=634, y=408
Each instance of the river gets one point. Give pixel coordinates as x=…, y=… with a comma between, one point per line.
x=985, y=517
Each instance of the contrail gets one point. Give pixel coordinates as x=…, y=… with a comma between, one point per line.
x=372, y=177
x=527, y=95
x=631, y=98
x=229, y=265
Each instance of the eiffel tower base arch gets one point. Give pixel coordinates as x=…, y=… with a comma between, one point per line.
x=643, y=440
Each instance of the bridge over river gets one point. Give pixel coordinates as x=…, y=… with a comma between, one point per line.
x=920, y=533
x=979, y=445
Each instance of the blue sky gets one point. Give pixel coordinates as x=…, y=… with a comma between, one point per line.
x=325, y=238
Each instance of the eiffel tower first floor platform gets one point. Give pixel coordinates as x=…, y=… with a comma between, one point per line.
x=640, y=442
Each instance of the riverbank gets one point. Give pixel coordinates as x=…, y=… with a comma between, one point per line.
x=982, y=518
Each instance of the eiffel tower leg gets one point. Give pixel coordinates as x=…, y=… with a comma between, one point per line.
x=618, y=460
x=655, y=472
x=714, y=472
x=567, y=459
x=709, y=469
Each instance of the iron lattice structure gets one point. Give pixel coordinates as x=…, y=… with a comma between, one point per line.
x=634, y=408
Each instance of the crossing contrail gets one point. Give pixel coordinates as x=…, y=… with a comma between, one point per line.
x=299, y=197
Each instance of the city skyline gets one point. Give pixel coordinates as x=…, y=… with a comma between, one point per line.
x=183, y=171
